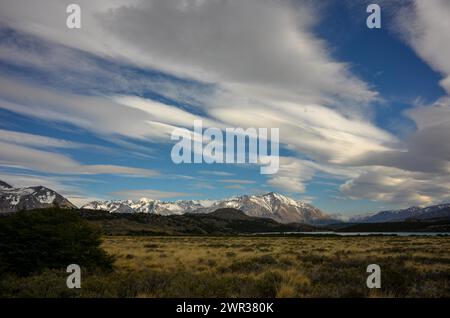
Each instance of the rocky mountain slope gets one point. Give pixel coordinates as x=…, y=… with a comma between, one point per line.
x=145, y=205
x=15, y=199
x=275, y=206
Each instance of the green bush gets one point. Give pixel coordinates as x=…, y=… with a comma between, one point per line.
x=32, y=241
x=267, y=285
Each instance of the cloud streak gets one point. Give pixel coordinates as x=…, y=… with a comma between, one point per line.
x=148, y=193
x=25, y=157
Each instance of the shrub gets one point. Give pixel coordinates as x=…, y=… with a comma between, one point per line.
x=48, y=239
x=268, y=284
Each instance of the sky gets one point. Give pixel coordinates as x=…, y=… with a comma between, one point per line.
x=363, y=114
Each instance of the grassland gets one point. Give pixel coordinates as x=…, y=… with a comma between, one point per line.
x=239, y=266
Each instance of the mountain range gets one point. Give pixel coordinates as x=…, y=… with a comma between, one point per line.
x=418, y=213
x=270, y=205
x=275, y=206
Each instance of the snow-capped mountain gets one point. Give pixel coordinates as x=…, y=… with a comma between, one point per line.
x=145, y=205
x=271, y=205
x=16, y=199
x=434, y=211
x=275, y=206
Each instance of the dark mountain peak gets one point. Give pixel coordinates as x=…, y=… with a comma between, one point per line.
x=5, y=185
x=30, y=198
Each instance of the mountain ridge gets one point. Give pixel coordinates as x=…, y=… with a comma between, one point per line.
x=270, y=205
x=399, y=215
x=14, y=199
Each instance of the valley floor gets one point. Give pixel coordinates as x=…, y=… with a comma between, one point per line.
x=260, y=267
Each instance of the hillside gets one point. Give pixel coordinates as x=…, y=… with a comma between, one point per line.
x=222, y=221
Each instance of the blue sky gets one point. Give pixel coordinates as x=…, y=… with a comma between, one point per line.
x=363, y=113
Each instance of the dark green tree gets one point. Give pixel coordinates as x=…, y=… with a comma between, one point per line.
x=31, y=241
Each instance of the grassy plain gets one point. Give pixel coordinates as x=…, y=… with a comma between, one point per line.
x=246, y=266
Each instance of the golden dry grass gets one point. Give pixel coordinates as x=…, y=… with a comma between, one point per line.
x=304, y=266
x=240, y=266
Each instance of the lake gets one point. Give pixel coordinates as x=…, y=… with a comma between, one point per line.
x=362, y=233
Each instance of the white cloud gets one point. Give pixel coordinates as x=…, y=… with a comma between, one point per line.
x=137, y=118
x=163, y=113
x=263, y=47
x=425, y=26
x=217, y=173
x=291, y=176
x=148, y=193
x=237, y=181
x=418, y=172
x=23, y=157
x=320, y=132
x=35, y=140
x=398, y=186
x=234, y=186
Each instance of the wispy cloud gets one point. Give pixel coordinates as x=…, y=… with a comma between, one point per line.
x=216, y=173
x=26, y=157
x=234, y=186
x=149, y=193
x=237, y=181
